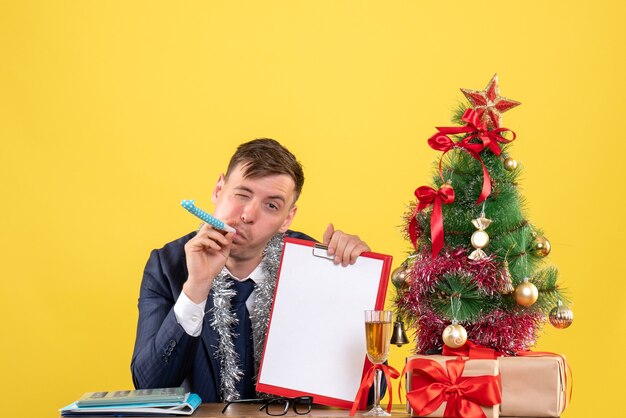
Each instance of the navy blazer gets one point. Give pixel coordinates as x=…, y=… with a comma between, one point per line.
x=165, y=355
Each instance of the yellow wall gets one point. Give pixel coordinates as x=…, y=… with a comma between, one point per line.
x=112, y=112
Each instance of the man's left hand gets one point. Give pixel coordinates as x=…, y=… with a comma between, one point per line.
x=345, y=247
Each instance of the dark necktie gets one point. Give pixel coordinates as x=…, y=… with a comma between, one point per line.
x=243, y=338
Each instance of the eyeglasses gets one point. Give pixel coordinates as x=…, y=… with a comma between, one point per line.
x=279, y=406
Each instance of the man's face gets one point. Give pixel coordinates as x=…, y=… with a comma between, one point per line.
x=257, y=208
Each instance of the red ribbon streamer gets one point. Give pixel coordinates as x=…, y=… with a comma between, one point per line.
x=490, y=139
x=368, y=380
x=426, y=196
x=443, y=143
x=473, y=351
x=433, y=385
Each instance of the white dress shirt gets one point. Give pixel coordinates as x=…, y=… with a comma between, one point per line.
x=190, y=315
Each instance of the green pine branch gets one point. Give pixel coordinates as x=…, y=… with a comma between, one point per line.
x=457, y=297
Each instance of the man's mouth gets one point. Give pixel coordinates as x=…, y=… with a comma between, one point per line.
x=240, y=236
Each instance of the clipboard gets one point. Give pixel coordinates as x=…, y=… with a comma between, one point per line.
x=315, y=342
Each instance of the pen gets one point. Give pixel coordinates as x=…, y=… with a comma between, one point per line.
x=206, y=217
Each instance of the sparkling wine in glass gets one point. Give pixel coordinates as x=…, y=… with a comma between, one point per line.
x=378, y=336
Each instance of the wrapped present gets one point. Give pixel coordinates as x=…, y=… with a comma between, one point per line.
x=442, y=386
x=539, y=376
x=533, y=384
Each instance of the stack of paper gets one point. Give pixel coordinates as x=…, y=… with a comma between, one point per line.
x=156, y=402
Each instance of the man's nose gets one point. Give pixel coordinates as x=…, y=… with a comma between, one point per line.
x=250, y=212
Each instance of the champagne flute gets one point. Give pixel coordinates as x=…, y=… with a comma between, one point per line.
x=377, y=336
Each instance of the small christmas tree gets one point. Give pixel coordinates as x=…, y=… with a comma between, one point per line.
x=478, y=267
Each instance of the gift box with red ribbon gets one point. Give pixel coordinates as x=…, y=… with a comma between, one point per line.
x=442, y=386
x=533, y=384
x=540, y=376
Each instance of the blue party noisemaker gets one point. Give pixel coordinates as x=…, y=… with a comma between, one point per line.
x=206, y=217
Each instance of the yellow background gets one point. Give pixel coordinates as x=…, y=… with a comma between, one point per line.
x=112, y=112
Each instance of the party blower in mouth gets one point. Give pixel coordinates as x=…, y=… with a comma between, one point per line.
x=206, y=217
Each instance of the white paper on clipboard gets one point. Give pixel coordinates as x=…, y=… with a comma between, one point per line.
x=315, y=342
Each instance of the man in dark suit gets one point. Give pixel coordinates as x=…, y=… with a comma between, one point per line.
x=205, y=298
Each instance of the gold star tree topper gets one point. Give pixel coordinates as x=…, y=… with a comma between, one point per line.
x=489, y=104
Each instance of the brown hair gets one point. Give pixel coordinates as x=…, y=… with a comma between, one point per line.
x=265, y=156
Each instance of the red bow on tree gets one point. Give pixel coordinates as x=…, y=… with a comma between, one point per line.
x=432, y=385
x=426, y=196
x=489, y=139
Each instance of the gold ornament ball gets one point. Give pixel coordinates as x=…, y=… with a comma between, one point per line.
x=541, y=246
x=526, y=293
x=454, y=336
x=398, y=276
x=510, y=164
x=446, y=184
x=561, y=316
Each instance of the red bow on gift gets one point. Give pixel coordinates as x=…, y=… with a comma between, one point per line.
x=427, y=196
x=368, y=380
x=432, y=385
x=490, y=139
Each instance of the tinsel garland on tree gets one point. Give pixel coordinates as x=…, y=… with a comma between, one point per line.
x=476, y=280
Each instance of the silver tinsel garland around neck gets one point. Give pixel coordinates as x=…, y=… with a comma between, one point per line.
x=224, y=319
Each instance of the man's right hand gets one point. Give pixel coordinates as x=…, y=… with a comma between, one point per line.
x=206, y=255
